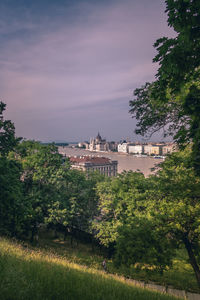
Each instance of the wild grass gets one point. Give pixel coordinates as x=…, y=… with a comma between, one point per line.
x=180, y=275
x=27, y=273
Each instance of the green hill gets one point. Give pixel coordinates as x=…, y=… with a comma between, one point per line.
x=36, y=274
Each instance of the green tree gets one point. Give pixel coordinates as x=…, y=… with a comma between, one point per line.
x=41, y=165
x=119, y=199
x=172, y=102
x=123, y=223
x=77, y=203
x=7, y=133
x=174, y=205
x=142, y=244
x=12, y=202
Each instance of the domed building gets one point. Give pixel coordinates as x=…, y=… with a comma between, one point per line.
x=98, y=144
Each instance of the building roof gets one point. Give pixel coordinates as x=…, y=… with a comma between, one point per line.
x=98, y=136
x=95, y=160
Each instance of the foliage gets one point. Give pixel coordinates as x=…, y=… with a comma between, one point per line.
x=77, y=203
x=123, y=221
x=143, y=245
x=12, y=202
x=174, y=204
x=40, y=167
x=158, y=214
x=172, y=101
x=7, y=133
x=120, y=197
x=58, y=196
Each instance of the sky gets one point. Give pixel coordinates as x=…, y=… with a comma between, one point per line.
x=68, y=68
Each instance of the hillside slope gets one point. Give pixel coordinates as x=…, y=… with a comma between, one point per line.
x=29, y=274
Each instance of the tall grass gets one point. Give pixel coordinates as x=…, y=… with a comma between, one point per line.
x=180, y=275
x=38, y=275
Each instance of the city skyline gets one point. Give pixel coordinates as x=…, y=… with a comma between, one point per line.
x=68, y=69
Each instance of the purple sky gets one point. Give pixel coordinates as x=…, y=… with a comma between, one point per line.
x=68, y=68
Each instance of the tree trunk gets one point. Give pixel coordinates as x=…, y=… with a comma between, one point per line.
x=55, y=234
x=71, y=240
x=192, y=259
x=65, y=234
x=33, y=233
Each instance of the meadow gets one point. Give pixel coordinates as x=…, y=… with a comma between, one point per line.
x=28, y=273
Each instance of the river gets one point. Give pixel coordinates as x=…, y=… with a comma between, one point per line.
x=126, y=162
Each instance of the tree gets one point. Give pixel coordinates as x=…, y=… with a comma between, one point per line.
x=119, y=199
x=77, y=204
x=123, y=225
x=174, y=205
x=12, y=202
x=7, y=133
x=142, y=244
x=12, y=205
x=172, y=102
x=41, y=165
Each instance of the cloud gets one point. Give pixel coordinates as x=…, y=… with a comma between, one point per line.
x=54, y=69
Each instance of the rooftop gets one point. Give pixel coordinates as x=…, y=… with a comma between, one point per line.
x=90, y=159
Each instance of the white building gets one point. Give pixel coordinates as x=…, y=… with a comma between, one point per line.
x=147, y=149
x=123, y=147
x=135, y=149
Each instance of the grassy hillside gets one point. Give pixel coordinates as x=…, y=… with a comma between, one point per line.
x=180, y=275
x=29, y=274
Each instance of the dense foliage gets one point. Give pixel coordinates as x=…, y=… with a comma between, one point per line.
x=7, y=133
x=172, y=101
x=148, y=218
x=37, y=189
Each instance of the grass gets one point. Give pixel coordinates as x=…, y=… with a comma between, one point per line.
x=27, y=273
x=180, y=276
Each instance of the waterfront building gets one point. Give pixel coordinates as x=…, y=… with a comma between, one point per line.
x=98, y=144
x=123, y=147
x=112, y=146
x=153, y=149
x=156, y=150
x=135, y=149
x=169, y=148
x=103, y=165
x=147, y=149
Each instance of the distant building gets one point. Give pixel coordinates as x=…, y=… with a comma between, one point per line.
x=104, y=165
x=87, y=146
x=153, y=149
x=169, y=148
x=135, y=149
x=82, y=145
x=123, y=147
x=156, y=150
x=147, y=149
x=98, y=144
x=112, y=146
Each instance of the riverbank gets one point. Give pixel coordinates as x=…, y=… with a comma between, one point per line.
x=126, y=162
